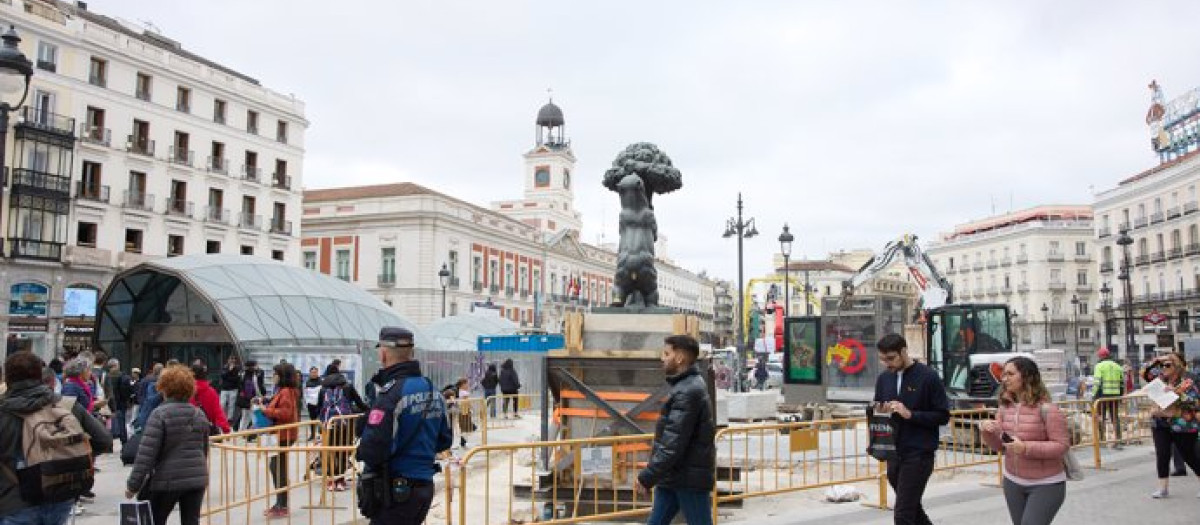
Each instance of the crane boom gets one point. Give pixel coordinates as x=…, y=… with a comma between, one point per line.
x=936, y=291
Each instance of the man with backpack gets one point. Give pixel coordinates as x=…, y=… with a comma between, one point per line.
x=30, y=491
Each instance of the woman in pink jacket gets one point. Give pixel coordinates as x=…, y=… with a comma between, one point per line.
x=1032, y=433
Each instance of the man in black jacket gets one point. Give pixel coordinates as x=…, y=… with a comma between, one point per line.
x=915, y=396
x=230, y=384
x=682, y=467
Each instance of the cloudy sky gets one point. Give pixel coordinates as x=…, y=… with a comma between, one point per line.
x=853, y=122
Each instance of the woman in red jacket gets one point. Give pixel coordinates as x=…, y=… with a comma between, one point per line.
x=284, y=409
x=1032, y=433
x=207, y=399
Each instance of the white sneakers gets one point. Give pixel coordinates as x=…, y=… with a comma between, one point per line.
x=1160, y=494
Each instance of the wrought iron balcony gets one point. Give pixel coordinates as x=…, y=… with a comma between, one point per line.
x=40, y=183
x=46, y=121
x=1190, y=207
x=138, y=201
x=1158, y=257
x=1006, y=261
x=951, y=271
x=477, y=287
x=1023, y=288
x=142, y=94
x=250, y=221
x=139, y=145
x=992, y=263
x=97, y=135
x=1156, y=217
x=47, y=65
x=217, y=215
x=251, y=173
x=1104, y=232
x=508, y=291
x=1140, y=222
x=1056, y=257
x=91, y=193
x=281, y=226
x=178, y=155
x=453, y=283
x=1175, y=253
x=35, y=249
x=1083, y=258
x=1106, y=266
x=180, y=207
x=1022, y=259
x=1193, y=248
x=218, y=165
x=387, y=280
x=1057, y=286
x=1142, y=260
x=1173, y=212
x=281, y=181
x=494, y=289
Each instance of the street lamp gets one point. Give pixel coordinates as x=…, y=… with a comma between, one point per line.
x=444, y=276
x=1124, y=241
x=785, y=248
x=743, y=229
x=15, y=71
x=1106, y=309
x=1075, y=307
x=1046, y=315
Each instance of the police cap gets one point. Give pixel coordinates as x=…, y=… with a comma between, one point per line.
x=395, y=336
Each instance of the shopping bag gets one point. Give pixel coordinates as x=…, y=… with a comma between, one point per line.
x=135, y=513
x=260, y=418
x=881, y=435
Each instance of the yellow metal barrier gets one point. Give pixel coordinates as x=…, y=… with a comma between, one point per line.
x=249, y=470
x=777, y=458
x=1127, y=417
x=588, y=480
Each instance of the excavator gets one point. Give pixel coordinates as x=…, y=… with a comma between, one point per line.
x=963, y=340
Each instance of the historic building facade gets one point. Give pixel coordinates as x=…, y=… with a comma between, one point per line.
x=1156, y=210
x=521, y=256
x=130, y=147
x=1041, y=263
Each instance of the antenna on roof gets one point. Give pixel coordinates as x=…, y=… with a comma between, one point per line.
x=150, y=26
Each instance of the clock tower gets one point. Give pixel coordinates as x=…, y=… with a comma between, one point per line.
x=549, y=200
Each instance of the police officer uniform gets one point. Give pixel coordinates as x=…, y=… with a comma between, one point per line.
x=405, y=429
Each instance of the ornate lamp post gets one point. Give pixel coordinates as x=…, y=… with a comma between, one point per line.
x=785, y=248
x=444, y=277
x=15, y=71
x=743, y=229
x=1046, y=316
x=1106, y=309
x=1124, y=241
x=1075, y=307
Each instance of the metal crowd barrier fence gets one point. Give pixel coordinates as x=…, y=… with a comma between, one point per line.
x=589, y=480
x=249, y=470
x=1120, y=420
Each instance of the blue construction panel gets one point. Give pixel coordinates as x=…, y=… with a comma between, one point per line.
x=520, y=343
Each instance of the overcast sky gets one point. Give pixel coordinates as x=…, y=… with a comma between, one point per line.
x=854, y=122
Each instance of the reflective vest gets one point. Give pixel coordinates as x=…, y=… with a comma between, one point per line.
x=1109, y=379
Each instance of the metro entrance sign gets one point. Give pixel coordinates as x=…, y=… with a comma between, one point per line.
x=1155, y=318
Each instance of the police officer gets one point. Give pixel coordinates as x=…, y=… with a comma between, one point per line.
x=405, y=429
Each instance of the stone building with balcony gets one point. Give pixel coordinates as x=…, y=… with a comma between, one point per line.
x=1157, y=209
x=522, y=257
x=1041, y=263
x=130, y=147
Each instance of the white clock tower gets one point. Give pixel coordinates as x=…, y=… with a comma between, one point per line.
x=549, y=201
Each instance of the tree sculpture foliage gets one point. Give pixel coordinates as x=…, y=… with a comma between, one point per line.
x=650, y=164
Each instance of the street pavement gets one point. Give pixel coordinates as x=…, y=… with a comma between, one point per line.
x=1115, y=495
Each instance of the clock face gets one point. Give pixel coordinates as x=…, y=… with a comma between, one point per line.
x=567, y=179
x=541, y=177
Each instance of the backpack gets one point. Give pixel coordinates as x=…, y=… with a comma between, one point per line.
x=336, y=404
x=57, y=455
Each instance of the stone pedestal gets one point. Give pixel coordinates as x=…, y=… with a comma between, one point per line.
x=624, y=330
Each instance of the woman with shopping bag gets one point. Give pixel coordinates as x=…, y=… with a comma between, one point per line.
x=1032, y=434
x=284, y=409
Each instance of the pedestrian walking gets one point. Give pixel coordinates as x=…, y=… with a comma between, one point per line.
x=760, y=372
x=312, y=400
x=120, y=388
x=172, y=460
x=148, y=397
x=1108, y=382
x=1032, y=434
x=510, y=386
x=491, y=380
x=682, y=466
x=207, y=399
x=338, y=397
x=28, y=395
x=251, y=386
x=1175, y=426
x=78, y=384
x=230, y=383
x=406, y=429
x=913, y=394
x=284, y=409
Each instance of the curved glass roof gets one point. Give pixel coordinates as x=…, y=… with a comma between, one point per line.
x=461, y=332
x=260, y=302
